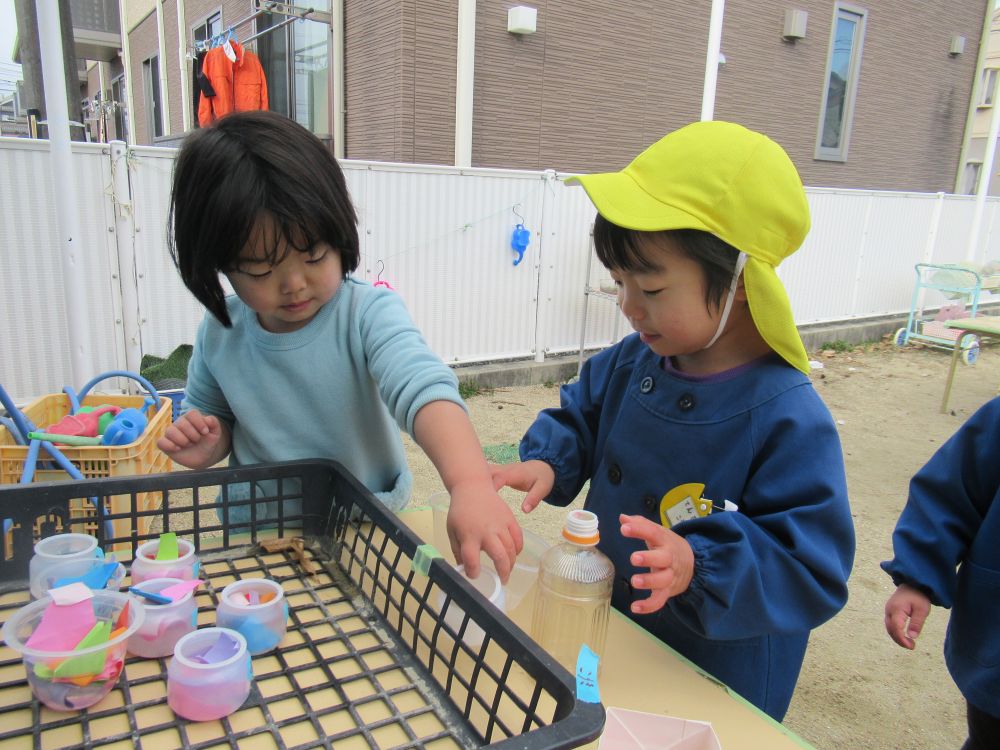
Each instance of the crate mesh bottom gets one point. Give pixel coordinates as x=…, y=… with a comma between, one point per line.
x=333, y=681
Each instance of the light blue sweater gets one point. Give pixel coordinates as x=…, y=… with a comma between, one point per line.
x=341, y=388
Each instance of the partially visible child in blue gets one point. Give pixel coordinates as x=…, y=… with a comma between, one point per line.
x=946, y=549
x=715, y=468
x=306, y=361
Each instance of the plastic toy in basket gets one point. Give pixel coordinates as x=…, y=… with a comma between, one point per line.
x=25, y=460
x=73, y=652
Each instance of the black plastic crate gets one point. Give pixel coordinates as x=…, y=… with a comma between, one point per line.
x=368, y=662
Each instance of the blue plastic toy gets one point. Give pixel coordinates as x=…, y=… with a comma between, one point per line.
x=125, y=428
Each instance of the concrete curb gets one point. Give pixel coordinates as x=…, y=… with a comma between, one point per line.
x=561, y=368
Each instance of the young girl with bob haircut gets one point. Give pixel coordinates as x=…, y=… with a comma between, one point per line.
x=715, y=469
x=306, y=361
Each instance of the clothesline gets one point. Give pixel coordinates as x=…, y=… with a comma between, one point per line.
x=270, y=7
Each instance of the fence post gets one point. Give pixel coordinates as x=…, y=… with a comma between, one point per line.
x=546, y=230
x=128, y=274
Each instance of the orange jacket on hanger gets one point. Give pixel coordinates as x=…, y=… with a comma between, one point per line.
x=239, y=86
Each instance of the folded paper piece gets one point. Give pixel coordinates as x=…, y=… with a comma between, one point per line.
x=225, y=647
x=151, y=596
x=167, y=548
x=636, y=730
x=63, y=627
x=90, y=664
x=95, y=578
x=71, y=594
x=178, y=590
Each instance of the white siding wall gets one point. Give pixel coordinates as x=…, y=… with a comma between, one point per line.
x=443, y=238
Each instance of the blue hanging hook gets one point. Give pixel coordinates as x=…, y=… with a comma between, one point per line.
x=520, y=237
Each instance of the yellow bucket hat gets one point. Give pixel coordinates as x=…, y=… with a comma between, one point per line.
x=737, y=184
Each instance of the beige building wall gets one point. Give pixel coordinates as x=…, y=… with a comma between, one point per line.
x=597, y=83
x=399, y=78
x=143, y=44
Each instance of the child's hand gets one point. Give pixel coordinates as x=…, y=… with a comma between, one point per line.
x=906, y=604
x=479, y=519
x=195, y=440
x=534, y=477
x=669, y=558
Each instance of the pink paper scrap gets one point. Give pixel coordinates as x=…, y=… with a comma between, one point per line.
x=178, y=590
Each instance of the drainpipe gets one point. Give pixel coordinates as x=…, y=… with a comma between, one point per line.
x=985, y=173
x=161, y=46
x=185, y=66
x=63, y=180
x=464, y=82
x=337, y=74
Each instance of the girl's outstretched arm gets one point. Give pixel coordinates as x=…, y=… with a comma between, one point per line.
x=478, y=519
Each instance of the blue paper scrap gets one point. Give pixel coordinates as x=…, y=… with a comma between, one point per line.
x=586, y=676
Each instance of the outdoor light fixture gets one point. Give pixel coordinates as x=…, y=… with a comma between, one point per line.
x=795, y=24
x=522, y=19
x=957, y=45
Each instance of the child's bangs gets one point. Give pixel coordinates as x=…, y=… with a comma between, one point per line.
x=618, y=247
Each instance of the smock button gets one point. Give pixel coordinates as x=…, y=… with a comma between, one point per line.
x=650, y=502
x=614, y=474
x=646, y=385
x=686, y=402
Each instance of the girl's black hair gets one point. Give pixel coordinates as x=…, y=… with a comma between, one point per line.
x=247, y=167
x=621, y=248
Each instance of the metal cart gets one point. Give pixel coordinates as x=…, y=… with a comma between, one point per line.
x=959, y=291
x=373, y=657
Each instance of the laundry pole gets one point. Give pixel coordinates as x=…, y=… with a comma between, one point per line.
x=71, y=250
x=712, y=60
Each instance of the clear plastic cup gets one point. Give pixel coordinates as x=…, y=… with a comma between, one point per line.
x=262, y=624
x=524, y=575
x=73, y=679
x=58, y=548
x=486, y=583
x=146, y=566
x=439, y=503
x=203, y=691
x=78, y=567
x=164, y=624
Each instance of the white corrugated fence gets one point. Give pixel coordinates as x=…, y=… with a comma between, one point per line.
x=439, y=235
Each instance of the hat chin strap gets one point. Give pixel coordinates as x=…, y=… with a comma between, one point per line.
x=740, y=262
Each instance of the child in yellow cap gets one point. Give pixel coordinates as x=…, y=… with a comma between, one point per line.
x=715, y=468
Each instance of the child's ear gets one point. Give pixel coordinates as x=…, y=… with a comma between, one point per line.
x=740, y=295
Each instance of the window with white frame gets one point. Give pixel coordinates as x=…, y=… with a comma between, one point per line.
x=843, y=70
x=151, y=87
x=970, y=177
x=989, y=85
x=211, y=26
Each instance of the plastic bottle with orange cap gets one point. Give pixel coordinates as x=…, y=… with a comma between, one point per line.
x=574, y=595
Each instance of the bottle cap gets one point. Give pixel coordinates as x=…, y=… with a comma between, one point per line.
x=581, y=527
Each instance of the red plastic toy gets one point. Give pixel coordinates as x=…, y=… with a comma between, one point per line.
x=81, y=424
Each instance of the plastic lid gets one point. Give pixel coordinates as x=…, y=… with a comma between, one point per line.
x=581, y=527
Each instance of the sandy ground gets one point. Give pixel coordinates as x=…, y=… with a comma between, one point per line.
x=857, y=688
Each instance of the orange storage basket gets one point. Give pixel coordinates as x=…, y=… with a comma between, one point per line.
x=94, y=462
